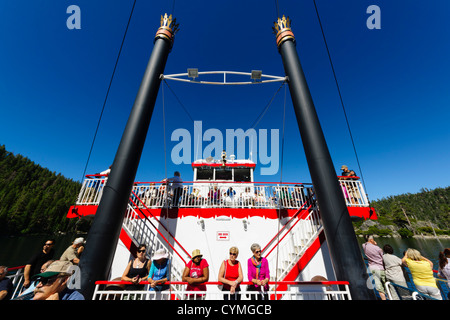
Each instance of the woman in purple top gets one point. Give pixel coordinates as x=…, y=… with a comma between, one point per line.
x=258, y=273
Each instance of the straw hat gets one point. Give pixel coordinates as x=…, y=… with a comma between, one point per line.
x=196, y=253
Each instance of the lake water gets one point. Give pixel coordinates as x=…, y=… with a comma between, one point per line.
x=429, y=248
x=15, y=251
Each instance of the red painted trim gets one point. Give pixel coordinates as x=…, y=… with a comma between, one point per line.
x=175, y=213
x=362, y=212
x=218, y=165
x=81, y=211
x=238, y=213
x=126, y=240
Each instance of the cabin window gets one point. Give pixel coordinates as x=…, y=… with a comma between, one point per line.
x=224, y=174
x=242, y=174
x=204, y=174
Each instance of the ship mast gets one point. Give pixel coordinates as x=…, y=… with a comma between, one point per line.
x=341, y=239
x=105, y=230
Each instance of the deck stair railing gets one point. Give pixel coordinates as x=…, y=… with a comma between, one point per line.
x=139, y=227
x=287, y=247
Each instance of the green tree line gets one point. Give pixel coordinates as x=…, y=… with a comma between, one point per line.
x=32, y=198
x=406, y=210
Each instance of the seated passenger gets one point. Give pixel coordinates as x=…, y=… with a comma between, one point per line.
x=230, y=274
x=196, y=273
x=258, y=273
x=159, y=271
x=137, y=270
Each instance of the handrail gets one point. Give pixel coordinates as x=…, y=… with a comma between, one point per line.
x=327, y=283
x=224, y=181
x=279, y=232
x=348, y=177
x=159, y=232
x=140, y=200
x=304, y=213
x=16, y=268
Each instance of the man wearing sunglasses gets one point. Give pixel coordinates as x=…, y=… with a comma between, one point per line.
x=33, y=267
x=53, y=283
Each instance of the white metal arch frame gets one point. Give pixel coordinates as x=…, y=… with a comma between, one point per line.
x=258, y=80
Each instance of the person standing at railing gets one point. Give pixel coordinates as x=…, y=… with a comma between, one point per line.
x=374, y=255
x=346, y=172
x=230, y=274
x=177, y=187
x=196, y=273
x=350, y=175
x=230, y=196
x=214, y=196
x=34, y=265
x=258, y=273
x=393, y=267
x=444, y=266
x=422, y=272
x=151, y=195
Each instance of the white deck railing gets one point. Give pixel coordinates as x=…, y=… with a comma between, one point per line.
x=222, y=194
x=332, y=290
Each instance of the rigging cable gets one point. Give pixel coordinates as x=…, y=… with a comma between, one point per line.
x=340, y=95
x=254, y=124
x=281, y=182
x=107, y=92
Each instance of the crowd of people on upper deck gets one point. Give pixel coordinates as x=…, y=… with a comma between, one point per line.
x=172, y=193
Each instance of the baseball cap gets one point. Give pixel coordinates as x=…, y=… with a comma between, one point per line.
x=56, y=268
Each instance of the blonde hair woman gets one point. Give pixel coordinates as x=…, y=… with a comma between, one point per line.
x=230, y=274
x=422, y=272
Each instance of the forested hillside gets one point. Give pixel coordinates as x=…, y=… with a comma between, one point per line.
x=426, y=212
x=32, y=198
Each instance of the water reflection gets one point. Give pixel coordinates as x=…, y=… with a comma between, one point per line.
x=16, y=251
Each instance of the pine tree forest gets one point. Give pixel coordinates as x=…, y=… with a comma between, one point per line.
x=33, y=200
x=429, y=207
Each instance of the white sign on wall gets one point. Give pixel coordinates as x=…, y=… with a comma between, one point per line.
x=223, y=235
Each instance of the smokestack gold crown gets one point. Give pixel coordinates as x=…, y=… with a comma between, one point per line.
x=168, y=28
x=282, y=29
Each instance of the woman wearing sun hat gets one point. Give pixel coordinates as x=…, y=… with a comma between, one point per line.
x=159, y=271
x=196, y=273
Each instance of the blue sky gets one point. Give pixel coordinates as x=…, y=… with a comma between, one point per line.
x=394, y=82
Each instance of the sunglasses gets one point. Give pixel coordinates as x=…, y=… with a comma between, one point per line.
x=259, y=251
x=142, y=250
x=47, y=281
x=233, y=254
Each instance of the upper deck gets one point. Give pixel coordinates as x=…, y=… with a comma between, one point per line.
x=222, y=186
